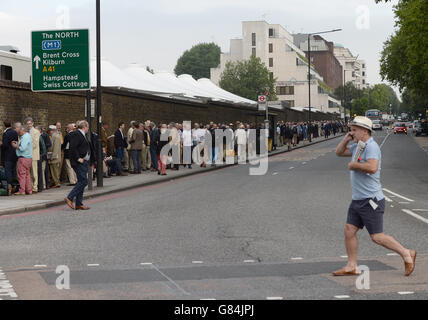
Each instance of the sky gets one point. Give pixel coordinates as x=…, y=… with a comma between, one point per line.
x=156, y=33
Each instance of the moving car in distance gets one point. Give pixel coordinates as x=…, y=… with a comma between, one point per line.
x=400, y=127
x=377, y=125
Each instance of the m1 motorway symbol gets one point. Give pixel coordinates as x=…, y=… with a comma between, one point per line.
x=60, y=60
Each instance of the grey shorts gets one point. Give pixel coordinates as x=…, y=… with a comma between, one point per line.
x=361, y=214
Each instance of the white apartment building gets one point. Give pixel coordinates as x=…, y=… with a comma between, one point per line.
x=354, y=69
x=286, y=62
x=13, y=66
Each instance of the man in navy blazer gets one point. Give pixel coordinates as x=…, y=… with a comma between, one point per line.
x=9, y=157
x=80, y=153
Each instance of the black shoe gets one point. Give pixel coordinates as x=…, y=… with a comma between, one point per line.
x=106, y=176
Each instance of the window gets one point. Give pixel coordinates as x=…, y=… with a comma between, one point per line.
x=271, y=75
x=285, y=90
x=270, y=62
x=364, y=73
x=364, y=66
x=253, y=39
x=270, y=47
x=364, y=81
x=253, y=52
x=271, y=32
x=5, y=72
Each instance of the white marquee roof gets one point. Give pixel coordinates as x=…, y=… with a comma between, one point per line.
x=136, y=77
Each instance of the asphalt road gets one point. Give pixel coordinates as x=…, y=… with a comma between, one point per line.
x=226, y=234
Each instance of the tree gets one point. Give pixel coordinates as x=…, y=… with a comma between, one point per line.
x=380, y=97
x=198, y=60
x=248, y=78
x=405, y=54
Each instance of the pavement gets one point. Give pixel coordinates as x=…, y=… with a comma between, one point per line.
x=54, y=197
x=225, y=234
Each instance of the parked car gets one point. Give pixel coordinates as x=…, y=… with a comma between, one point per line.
x=400, y=127
x=417, y=128
x=377, y=125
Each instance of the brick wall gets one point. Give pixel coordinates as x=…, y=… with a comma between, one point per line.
x=17, y=102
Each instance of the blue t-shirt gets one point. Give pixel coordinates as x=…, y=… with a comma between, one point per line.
x=25, y=146
x=365, y=185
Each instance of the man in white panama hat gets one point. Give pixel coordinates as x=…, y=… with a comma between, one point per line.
x=368, y=201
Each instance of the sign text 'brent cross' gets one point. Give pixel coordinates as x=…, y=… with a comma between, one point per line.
x=60, y=60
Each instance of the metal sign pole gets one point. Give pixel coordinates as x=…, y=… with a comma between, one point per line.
x=88, y=118
x=99, y=141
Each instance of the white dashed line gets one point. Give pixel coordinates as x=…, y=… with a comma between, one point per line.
x=274, y=298
x=422, y=210
x=197, y=262
x=411, y=213
x=249, y=261
x=396, y=194
x=297, y=258
x=392, y=254
x=303, y=162
x=342, y=297
x=275, y=173
x=146, y=263
x=291, y=168
x=93, y=265
x=40, y=266
x=405, y=292
x=344, y=256
x=392, y=206
x=207, y=299
x=403, y=202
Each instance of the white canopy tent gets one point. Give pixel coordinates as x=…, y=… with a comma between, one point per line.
x=136, y=77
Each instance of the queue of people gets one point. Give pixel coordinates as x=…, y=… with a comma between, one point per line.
x=35, y=159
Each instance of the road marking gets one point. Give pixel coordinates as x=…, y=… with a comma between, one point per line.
x=274, y=298
x=197, y=262
x=40, y=266
x=396, y=194
x=405, y=292
x=423, y=210
x=170, y=280
x=249, y=261
x=403, y=202
x=275, y=173
x=344, y=256
x=291, y=168
x=303, y=162
x=392, y=254
x=342, y=297
x=6, y=287
x=383, y=142
x=392, y=206
x=388, y=199
x=93, y=265
x=297, y=258
x=146, y=263
x=207, y=299
x=410, y=212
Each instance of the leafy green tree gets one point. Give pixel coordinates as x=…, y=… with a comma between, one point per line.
x=248, y=79
x=405, y=54
x=380, y=97
x=198, y=60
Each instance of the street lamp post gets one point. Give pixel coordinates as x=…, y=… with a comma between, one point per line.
x=309, y=74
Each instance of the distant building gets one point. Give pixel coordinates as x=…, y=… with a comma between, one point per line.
x=285, y=61
x=323, y=58
x=13, y=66
x=354, y=70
